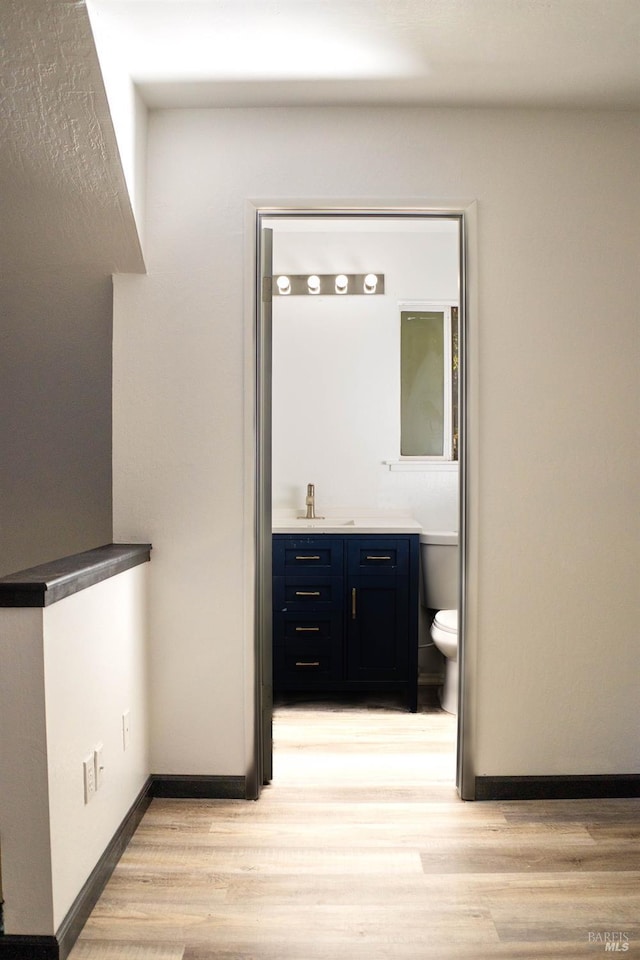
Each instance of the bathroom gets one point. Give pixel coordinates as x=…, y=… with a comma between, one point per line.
x=336, y=385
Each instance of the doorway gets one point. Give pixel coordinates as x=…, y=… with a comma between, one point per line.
x=354, y=226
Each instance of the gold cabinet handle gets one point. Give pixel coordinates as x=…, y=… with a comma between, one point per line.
x=307, y=593
x=307, y=558
x=353, y=603
x=307, y=629
x=307, y=663
x=378, y=558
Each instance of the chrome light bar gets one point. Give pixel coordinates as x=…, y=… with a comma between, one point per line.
x=328, y=284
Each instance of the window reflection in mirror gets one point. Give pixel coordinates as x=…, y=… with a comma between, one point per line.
x=429, y=383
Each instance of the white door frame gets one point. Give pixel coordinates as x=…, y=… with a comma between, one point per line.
x=259, y=460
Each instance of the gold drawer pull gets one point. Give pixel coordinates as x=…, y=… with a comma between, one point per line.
x=353, y=603
x=307, y=593
x=307, y=663
x=378, y=558
x=307, y=629
x=307, y=558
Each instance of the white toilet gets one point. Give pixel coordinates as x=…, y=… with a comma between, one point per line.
x=439, y=569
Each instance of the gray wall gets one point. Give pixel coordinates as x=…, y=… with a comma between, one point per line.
x=55, y=430
x=67, y=226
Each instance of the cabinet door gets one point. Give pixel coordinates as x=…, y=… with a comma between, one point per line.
x=377, y=628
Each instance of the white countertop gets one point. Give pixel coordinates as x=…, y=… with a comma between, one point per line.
x=345, y=525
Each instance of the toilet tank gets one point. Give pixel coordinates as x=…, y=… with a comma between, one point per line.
x=439, y=569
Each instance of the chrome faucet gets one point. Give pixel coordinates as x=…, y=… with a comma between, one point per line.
x=310, y=501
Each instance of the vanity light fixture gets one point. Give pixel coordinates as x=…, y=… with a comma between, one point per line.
x=370, y=283
x=327, y=284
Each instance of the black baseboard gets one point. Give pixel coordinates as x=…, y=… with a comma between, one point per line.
x=13, y=947
x=558, y=787
x=198, y=788
x=28, y=948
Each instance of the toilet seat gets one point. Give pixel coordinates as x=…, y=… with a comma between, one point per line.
x=444, y=633
x=447, y=621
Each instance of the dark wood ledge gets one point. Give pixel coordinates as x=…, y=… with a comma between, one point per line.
x=49, y=582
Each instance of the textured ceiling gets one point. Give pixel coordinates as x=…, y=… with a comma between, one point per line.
x=63, y=200
x=561, y=53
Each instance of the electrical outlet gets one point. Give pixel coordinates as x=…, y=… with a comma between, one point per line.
x=99, y=765
x=126, y=729
x=89, y=778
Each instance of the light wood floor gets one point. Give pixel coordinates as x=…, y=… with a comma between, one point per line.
x=361, y=850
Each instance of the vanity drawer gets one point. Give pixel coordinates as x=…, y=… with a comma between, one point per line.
x=308, y=555
x=308, y=667
x=307, y=631
x=378, y=555
x=299, y=593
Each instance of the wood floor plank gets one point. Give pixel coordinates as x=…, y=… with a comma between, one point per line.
x=272, y=858
x=99, y=950
x=601, y=812
x=532, y=857
x=335, y=831
x=622, y=833
x=170, y=815
x=570, y=927
x=567, y=930
x=333, y=922
x=431, y=949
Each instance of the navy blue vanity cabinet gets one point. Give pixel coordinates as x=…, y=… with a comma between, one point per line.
x=346, y=613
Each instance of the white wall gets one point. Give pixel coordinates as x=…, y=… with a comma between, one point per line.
x=336, y=370
x=554, y=343
x=95, y=666
x=68, y=673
